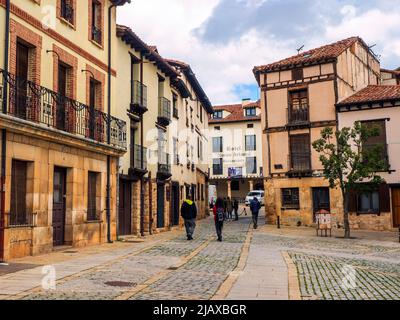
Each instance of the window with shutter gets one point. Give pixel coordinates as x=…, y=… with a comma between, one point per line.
x=297, y=74
x=18, y=210
x=92, y=197
x=378, y=142
x=300, y=152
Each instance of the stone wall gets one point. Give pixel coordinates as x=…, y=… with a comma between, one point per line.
x=43, y=156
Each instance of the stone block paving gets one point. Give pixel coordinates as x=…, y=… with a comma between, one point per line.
x=339, y=269
x=199, y=278
x=202, y=275
x=324, y=277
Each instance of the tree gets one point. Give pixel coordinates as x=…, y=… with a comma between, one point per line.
x=349, y=162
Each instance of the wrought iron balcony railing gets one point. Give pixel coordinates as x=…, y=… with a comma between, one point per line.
x=139, y=97
x=164, y=164
x=164, y=111
x=67, y=11
x=298, y=115
x=137, y=157
x=34, y=103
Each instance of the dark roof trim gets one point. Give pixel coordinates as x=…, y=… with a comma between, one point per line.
x=130, y=38
x=187, y=70
x=180, y=85
x=120, y=2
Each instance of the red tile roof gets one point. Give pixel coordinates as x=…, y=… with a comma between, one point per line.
x=236, y=113
x=377, y=93
x=320, y=54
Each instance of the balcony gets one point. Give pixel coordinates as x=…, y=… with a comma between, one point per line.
x=138, y=169
x=67, y=11
x=299, y=165
x=139, y=98
x=164, y=111
x=164, y=166
x=298, y=116
x=36, y=104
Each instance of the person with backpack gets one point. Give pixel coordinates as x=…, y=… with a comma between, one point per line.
x=189, y=214
x=219, y=217
x=255, y=207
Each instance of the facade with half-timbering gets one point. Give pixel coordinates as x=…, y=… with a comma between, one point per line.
x=298, y=99
x=60, y=142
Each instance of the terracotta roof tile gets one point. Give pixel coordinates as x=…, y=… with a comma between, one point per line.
x=375, y=93
x=326, y=52
x=236, y=113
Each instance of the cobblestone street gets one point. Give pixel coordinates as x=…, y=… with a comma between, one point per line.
x=261, y=264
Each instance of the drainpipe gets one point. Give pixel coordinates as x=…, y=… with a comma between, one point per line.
x=4, y=134
x=108, y=204
x=141, y=153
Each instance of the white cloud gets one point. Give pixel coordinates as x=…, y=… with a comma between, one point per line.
x=170, y=25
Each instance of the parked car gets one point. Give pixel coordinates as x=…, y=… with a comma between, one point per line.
x=259, y=194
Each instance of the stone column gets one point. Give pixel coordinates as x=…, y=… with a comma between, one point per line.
x=229, y=189
x=251, y=185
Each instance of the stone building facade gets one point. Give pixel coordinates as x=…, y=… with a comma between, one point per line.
x=166, y=110
x=235, y=146
x=298, y=99
x=59, y=165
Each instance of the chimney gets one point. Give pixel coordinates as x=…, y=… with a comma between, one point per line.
x=245, y=102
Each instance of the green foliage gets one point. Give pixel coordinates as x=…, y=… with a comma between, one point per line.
x=347, y=162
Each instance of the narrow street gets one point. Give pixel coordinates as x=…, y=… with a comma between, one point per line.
x=267, y=263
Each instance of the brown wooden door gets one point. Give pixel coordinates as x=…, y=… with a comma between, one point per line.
x=22, y=76
x=396, y=207
x=59, y=206
x=125, y=205
x=300, y=152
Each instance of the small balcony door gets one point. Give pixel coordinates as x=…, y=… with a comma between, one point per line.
x=92, y=113
x=22, y=77
x=62, y=90
x=300, y=152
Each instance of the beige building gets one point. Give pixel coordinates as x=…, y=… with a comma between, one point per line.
x=377, y=106
x=390, y=77
x=166, y=110
x=60, y=143
x=298, y=99
x=236, y=150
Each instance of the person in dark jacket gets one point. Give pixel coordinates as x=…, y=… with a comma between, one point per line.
x=219, y=215
x=255, y=207
x=189, y=214
x=236, y=209
x=225, y=203
x=229, y=208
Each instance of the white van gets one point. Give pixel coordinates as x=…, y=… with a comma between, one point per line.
x=259, y=194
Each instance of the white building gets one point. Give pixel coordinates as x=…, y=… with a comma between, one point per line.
x=236, y=151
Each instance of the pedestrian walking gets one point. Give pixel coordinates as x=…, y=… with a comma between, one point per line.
x=236, y=209
x=255, y=207
x=189, y=214
x=229, y=208
x=225, y=203
x=219, y=215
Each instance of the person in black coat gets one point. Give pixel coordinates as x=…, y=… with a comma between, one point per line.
x=255, y=207
x=189, y=214
x=236, y=209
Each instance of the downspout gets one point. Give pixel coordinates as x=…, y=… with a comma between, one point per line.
x=108, y=204
x=141, y=152
x=4, y=134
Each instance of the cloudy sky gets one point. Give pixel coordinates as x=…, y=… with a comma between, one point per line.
x=224, y=39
